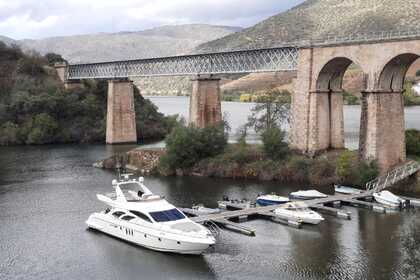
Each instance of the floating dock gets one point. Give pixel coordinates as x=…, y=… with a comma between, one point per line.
x=241, y=210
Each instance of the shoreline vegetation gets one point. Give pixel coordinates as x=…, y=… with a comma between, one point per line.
x=36, y=109
x=192, y=151
x=205, y=152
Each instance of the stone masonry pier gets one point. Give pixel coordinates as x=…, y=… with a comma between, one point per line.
x=205, y=101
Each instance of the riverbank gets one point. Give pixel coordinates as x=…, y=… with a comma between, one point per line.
x=250, y=162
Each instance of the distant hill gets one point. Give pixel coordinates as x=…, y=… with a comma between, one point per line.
x=161, y=41
x=318, y=18
x=6, y=40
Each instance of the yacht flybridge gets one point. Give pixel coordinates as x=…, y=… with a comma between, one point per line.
x=141, y=217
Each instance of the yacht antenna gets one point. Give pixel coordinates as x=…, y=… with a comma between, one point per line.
x=118, y=167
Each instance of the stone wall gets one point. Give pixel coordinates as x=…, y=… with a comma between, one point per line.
x=141, y=160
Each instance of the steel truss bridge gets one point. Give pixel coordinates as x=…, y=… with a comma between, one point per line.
x=283, y=58
x=247, y=61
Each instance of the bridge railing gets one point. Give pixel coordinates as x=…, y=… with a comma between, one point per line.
x=394, y=176
x=389, y=35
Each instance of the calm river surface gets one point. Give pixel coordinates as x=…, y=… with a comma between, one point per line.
x=237, y=114
x=47, y=193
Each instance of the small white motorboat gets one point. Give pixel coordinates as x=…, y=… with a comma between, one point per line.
x=271, y=199
x=389, y=199
x=306, y=195
x=298, y=211
x=346, y=190
x=235, y=204
x=202, y=210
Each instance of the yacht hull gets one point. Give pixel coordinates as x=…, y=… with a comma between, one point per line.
x=389, y=203
x=346, y=190
x=148, y=239
x=267, y=202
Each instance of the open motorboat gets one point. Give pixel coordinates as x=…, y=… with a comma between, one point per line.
x=271, y=199
x=389, y=199
x=298, y=211
x=346, y=190
x=138, y=216
x=202, y=210
x=305, y=195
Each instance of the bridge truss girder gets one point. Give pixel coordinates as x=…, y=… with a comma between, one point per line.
x=246, y=61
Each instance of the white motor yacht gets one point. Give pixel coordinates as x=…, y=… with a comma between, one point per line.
x=298, y=211
x=389, y=199
x=138, y=216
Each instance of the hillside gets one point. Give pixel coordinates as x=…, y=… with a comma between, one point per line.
x=6, y=40
x=317, y=18
x=161, y=41
x=36, y=109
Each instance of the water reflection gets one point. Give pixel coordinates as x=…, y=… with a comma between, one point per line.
x=46, y=194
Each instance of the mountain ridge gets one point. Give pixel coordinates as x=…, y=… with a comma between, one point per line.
x=165, y=40
x=314, y=19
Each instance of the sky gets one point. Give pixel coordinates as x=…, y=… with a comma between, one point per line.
x=34, y=19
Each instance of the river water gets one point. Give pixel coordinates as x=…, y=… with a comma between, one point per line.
x=47, y=193
x=238, y=112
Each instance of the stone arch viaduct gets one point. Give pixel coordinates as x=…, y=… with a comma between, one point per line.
x=317, y=122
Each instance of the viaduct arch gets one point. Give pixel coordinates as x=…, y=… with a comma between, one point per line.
x=317, y=104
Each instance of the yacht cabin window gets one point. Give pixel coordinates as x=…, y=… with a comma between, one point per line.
x=167, y=216
x=127, y=218
x=141, y=216
x=117, y=214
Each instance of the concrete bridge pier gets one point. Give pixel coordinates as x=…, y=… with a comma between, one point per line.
x=205, y=101
x=121, y=115
x=382, y=128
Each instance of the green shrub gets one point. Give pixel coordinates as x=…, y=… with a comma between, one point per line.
x=322, y=172
x=350, y=99
x=351, y=170
x=43, y=129
x=187, y=145
x=345, y=165
x=53, y=58
x=9, y=134
x=366, y=171
x=410, y=97
x=412, y=142
x=274, y=145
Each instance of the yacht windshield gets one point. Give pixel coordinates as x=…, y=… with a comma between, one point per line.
x=131, y=191
x=167, y=216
